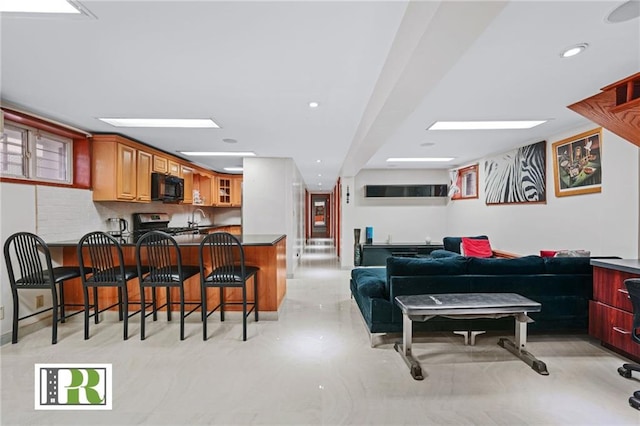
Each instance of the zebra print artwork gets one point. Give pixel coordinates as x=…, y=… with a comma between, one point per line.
x=517, y=176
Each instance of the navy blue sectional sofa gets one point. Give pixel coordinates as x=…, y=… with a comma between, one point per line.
x=562, y=285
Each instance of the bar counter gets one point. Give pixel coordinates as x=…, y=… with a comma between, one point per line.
x=266, y=251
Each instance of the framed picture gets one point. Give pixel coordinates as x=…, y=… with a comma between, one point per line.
x=577, y=164
x=466, y=183
x=518, y=176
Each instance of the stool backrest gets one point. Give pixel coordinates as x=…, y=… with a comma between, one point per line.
x=224, y=252
x=633, y=287
x=33, y=258
x=104, y=256
x=160, y=252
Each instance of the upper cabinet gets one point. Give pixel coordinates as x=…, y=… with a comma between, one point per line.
x=236, y=191
x=120, y=171
x=174, y=168
x=223, y=193
x=187, y=175
x=144, y=175
x=160, y=164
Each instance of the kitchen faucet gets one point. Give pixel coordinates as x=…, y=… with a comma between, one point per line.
x=192, y=223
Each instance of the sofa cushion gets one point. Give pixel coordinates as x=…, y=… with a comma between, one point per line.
x=567, y=265
x=370, y=281
x=474, y=247
x=403, y=266
x=440, y=253
x=498, y=266
x=453, y=243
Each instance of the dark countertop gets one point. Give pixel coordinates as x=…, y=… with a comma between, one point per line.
x=192, y=240
x=631, y=266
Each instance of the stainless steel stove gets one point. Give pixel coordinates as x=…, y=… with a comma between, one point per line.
x=145, y=222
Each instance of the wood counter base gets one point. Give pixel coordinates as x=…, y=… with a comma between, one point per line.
x=272, y=280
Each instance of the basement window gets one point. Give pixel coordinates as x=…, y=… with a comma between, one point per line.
x=28, y=153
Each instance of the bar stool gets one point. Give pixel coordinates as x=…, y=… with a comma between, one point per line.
x=106, y=261
x=33, y=259
x=158, y=249
x=224, y=252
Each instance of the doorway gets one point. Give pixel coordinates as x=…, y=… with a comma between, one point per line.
x=320, y=216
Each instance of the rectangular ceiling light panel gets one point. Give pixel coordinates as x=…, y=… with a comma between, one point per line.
x=198, y=123
x=37, y=6
x=218, y=153
x=419, y=159
x=485, y=125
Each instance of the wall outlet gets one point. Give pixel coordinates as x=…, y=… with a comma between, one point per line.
x=1, y=312
x=39, y=301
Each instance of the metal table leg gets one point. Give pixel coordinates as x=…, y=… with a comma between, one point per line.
x=518, y=348
x=404, y=348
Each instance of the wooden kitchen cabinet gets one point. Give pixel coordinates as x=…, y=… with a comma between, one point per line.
x=115, y=170
x=143, y=175
x=202, y=183
x=160, y=164
x=236, y=192
x=223, y=191
x=187, y=175
x=174, y=168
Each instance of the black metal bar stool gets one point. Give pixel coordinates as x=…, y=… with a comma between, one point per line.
x=224, y=252
x=159, y=252
x=102, y=255
x=33, y=262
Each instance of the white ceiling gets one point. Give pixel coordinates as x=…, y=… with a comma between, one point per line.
x=382, y=72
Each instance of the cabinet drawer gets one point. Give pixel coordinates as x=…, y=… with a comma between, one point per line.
x=609, y=288
x=612, y=326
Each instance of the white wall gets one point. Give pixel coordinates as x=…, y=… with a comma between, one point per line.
x=605, y=223
x=59, y=214
x=274, y=203
x=406, y=220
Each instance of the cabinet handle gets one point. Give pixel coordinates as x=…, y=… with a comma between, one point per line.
x=621, y=330
x=622, y=290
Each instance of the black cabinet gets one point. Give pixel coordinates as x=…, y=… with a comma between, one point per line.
x=376, y=254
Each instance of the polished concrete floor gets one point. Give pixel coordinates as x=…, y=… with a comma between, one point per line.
x=315, y=366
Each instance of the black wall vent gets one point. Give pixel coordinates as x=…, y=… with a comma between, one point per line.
x=372, y=191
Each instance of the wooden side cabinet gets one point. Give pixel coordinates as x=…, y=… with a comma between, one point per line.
x=223, y=194
x=611, y=313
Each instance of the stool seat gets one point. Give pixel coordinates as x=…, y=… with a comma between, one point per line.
x=171, y=274
x=41, y=280
x=231, y=274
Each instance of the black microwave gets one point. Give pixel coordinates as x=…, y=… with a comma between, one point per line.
x=166, y=188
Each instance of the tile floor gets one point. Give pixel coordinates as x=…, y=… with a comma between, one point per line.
x=314, y=366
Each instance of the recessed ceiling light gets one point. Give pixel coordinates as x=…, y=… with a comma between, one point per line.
x=37, y=6
x=427, y=144
x=319, y=183
x=229, y=140
x=625, y=12
x=419, y=159
x=573, y=50
x=318, y=161
x=218, y=153
x=234, y=169
x=314, y=104
x=319, y=175
x=162, y=122
x=484, y=125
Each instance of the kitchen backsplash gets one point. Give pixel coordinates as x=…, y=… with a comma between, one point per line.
x=67, y=213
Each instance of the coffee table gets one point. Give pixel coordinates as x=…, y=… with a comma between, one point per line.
x=468, y=305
